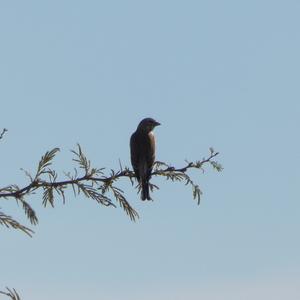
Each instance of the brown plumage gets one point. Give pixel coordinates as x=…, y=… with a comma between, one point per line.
x=142, y=150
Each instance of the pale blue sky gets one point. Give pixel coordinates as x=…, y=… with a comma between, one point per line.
x=214, y=73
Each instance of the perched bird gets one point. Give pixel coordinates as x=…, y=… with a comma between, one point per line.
x=142, y=150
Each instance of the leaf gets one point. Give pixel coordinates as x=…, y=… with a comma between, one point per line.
x=46, y=161
x=91, y=192
x=8, y=221
x=11, y=293
x=48, y=196
x=216, y=165
x=130, y=211
x=30, y=213
x=196, y=193
x=81, y=159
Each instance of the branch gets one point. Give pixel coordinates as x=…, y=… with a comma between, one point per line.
x=93, y=183
x=2, y=133
x=180, y=174
x=8, y=221
x=190, y=165
x=12, y=294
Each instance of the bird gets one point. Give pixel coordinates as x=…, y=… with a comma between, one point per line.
x=142, y=152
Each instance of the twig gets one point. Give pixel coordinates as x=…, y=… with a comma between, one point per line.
x=12, y=294
x=190, y=165
x=2, y=133
x=127, y=173
x=93, y=184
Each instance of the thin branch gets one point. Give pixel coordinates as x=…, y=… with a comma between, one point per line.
x=127, y=173
x=2, y=133
x=93, y=184
x=8, y=221
x=12, y=294
x=190, y=165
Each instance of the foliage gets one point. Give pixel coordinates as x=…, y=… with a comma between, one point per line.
x=93, y=183
x=11, y=293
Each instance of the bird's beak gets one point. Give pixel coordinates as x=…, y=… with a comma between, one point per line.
x=157, y=123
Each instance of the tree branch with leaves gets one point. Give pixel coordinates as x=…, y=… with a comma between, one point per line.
x=93, y=183
x=11, y=293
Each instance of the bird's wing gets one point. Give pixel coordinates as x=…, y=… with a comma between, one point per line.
x=142, y=149
x=135, y=154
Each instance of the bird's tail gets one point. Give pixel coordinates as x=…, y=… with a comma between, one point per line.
x=145, y=193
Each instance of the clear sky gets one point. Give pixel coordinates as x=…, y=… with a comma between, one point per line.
x=214, y=73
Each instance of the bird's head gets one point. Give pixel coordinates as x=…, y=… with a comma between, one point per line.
x=148, y=124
